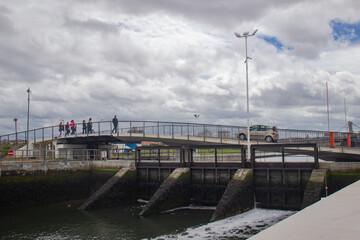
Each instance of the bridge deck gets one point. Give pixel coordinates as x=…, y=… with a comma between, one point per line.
x=334, y=217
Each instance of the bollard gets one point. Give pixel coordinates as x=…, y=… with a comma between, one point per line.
x=332, y=143
x=348, y=140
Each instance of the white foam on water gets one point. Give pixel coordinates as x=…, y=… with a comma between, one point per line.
x=192, y=207
x=241, y=226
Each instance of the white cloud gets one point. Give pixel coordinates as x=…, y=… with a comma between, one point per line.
x=167, y=60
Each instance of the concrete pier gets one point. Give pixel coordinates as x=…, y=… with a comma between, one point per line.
x=238, y=196
x=315, y=187
x=117, y=190
x=173, y=192
x=334, y=217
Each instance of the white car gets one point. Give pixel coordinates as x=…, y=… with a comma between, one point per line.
x=260, y=132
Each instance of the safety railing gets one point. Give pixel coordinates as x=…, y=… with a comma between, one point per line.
x=287, y=155
x=173, y=130
x=10, y=156
x=214, y=156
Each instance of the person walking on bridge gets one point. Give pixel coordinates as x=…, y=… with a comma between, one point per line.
x=61, y=128
x=67, y=129
x=73, y=127
x=89, y=126
x=115, y=123
x=84, y=127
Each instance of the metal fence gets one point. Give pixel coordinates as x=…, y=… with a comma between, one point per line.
x=66, y=154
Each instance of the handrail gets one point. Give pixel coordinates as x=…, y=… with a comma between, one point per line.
x=160, y=128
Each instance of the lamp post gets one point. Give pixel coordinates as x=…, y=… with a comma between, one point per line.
x=27, y=129
x=16, y=136
x=246, y=35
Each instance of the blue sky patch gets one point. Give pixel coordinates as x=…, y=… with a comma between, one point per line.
x=275, y=42
x=343, y=31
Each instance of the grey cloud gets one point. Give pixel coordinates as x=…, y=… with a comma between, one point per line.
x=92, y=25
x=6, y=25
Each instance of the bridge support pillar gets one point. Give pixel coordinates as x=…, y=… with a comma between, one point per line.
x=173, y=192
x=238, y=196
x=118, y=190
x=315, y=187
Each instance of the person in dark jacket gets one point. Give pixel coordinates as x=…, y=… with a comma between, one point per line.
x=115, y=123
x=67, y=129
x=89, y=126
x=84, y=127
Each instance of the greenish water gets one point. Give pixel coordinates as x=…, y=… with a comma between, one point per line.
x=64, y=221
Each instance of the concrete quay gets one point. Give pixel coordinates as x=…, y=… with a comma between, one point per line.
x=334, y=217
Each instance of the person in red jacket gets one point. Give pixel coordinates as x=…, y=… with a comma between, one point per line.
x=73, y=127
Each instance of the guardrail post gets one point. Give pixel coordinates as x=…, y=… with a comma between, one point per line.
x=243, y=156
x=316, y=157
x=43, y=137
x=99, y=128
x=204, y=132
x=172, y=130
x=220, y=132
x=144, y=129
x=130, y=128
x=216, y=159
x=158, y=129
x=188, y=131
x=44, y=158
x=283, y=156
x=252, y=156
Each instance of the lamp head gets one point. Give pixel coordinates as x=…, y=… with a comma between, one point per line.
x=238, y=35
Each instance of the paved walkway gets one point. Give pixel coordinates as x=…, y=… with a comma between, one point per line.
x=335, y=217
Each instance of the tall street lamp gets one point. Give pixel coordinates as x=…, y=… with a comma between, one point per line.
x=27, y=129
x=16, y=135
x=246, y=35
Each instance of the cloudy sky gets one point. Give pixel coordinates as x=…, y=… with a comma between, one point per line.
x=167, y=60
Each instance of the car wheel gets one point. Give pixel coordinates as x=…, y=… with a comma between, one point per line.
x=268, y=139
x=242, y=137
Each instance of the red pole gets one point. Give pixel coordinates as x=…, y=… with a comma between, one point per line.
x=348, y=140
x=332, y=142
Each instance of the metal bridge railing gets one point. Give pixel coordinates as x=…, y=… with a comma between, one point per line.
x=155, y=129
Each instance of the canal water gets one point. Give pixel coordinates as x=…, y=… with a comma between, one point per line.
x=62, y=221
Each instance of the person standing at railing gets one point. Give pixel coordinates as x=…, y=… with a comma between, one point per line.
x=115, y=123
x=61, y=128
x=84, y=127
x=89, y=126
x=67, y=129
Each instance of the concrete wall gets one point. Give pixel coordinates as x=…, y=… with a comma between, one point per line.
x=341, y=166
x=281, y=189
x=13, y=168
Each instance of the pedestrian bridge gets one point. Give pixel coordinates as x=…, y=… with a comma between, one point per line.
x=181, y=134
